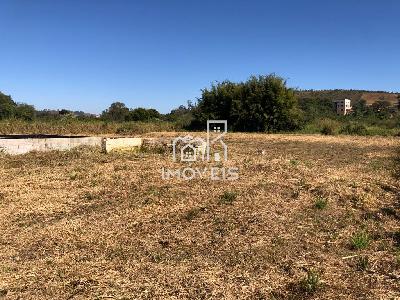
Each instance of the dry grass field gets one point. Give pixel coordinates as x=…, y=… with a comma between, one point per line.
x=311, y=217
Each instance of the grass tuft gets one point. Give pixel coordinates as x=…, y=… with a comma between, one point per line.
x=311, y=282
x=321, y=202
x=193, y=213
x=228, y=197
x=362, y=263
x=360, y=240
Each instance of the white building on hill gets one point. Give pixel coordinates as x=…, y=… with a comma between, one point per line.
x=343, y=107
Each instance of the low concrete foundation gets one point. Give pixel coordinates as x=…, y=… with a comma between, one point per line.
x=121, y=144
x=21, y=144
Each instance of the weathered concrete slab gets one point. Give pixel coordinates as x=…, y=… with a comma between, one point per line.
x=23, y=144
x=121, y=144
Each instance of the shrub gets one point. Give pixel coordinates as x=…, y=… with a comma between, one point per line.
x=262, y=103
x=228, y=197
x=311, y=283
x=329, y=127
x=354, y=129
x=193, y=213
x=360, y=240
x=362, y=263
x=321, y=202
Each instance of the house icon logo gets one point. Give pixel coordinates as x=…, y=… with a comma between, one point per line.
x=212, y=148
x=192, y=149
x=188, y=153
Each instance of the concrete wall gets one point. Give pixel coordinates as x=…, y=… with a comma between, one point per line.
x=121, y=144
x=21, y=146
x=15, y=146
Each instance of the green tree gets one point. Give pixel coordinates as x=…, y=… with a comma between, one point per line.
x=262, y=103
x=64, y=112
x=25, y=111
x=360, y=108
x=381, y=108
x=7, y=106
x=182, y=116
x=116, y=112
x=143, y=114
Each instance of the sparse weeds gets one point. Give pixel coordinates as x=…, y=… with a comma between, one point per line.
x=329, y=127
x=362, y=263
x=132, y=218
x=228, y=197
x=153, y=149
x=303, y=184
x=89, y=196
x=121, y=167
x=396, y=172
x=311, y=282
x=376, y=165
x=320, y=202
x=397, y=254
x=360, y=240
x=193, y=213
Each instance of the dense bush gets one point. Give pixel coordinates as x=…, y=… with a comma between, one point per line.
x=181, y=116
x=143, y=114
x=354, y=129
x=10, y=109
x=118, y=112
x=329, y=127
x=261, y=103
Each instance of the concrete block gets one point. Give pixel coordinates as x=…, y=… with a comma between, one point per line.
x=17, y=145
x=121, y=144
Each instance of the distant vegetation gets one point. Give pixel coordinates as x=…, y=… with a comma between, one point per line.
x=10, y=109
x=378, y=117
x=260, y=104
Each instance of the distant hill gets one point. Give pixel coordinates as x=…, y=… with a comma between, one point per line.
x=355, y=95
x=372, y=97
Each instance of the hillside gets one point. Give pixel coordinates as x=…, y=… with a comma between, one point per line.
x=355, y=95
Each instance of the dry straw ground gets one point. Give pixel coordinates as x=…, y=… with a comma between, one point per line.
x=311, y=217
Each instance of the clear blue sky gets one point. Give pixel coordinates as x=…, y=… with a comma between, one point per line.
x=86, y=54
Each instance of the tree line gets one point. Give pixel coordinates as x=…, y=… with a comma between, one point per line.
x=10, y=109
x=259, y=104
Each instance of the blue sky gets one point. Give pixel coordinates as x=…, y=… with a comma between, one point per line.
x=86, y=54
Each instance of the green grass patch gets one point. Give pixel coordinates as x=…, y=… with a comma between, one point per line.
x=360, y=240
x=311, y=282
x=320, y=202
x=228, y=197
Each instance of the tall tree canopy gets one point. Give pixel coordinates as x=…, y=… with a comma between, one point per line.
x=7, y=106
x=10, y=109
x=262, y=103
x=116, y=112
x=119, y=112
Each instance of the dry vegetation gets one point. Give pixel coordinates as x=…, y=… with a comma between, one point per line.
x=72, y=126
x=311, y=217
x=371, y=98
